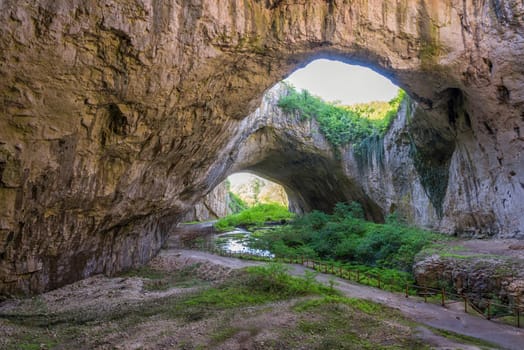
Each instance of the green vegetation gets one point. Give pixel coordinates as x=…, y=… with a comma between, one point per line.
x=343, y=124
x=484, y=345
x=235, y=203
x=257, y=285
x=30, y=342
x=256, y=215
x=434, y=175
x=160, y=280
x=262, y=306
x=365, y=306
x=347, y=323
x=345, y=236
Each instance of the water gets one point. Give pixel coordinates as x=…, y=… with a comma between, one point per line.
x=237, y=242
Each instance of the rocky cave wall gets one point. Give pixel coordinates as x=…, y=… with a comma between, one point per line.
x=117, y=116
x=212, y=206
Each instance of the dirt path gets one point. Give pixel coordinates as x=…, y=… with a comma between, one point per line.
x=431, y=315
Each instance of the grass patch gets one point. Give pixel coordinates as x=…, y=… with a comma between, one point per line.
x=34, y=342
x=334, y=322
x=159, y=280
x=484, y=345
x=256, y=215
x=258, y=285
x=365, y=306
x=319, y=319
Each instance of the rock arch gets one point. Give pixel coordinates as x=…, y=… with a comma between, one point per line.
x=295, y=154
x=116, y=117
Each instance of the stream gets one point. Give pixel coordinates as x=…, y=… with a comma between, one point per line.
x=237, y=241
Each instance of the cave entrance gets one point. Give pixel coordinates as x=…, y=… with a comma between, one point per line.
x=247, y=189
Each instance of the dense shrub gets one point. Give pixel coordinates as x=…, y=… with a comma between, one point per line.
x=256, y=215
x=345, y=236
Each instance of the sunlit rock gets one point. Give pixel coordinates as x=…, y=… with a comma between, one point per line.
x=117, y=116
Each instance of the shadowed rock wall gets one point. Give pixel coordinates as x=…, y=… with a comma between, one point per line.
x=117, y=116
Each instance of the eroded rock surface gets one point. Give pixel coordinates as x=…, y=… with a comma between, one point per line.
x=212, y=206
x=117, y=116
x=477, y=268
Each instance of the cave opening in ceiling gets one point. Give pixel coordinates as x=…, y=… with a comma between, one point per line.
x=346, y=84
x=309, y=123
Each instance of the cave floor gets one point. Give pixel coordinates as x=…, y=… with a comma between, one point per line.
x=135, y=311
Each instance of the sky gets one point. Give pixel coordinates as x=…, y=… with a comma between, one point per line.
x=337, y=81
x=240, y=178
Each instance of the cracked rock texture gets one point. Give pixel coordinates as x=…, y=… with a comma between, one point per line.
x=213, y=206
x=116, y=117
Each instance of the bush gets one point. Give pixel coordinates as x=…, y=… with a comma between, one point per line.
x=345, y=236
x=256, y=215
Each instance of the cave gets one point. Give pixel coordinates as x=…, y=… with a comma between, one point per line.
x=253, y=189
x=116, y=119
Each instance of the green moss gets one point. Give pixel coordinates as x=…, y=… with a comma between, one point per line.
x=434, y=176
x=430, y=47
x=38, y=345
x=346, y=323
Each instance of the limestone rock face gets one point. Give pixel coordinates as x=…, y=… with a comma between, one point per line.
x=473, y=276
x=116, y=117
x=213, y=206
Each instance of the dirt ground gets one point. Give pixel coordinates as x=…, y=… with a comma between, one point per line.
x=102, y=312
x=134, y=311
x=451, y=319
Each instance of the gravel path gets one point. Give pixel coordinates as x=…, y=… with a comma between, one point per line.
x=457, y=321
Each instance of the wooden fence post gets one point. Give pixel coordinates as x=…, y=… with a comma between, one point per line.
x=489, y=309
x=378, y=280
x=407, y=288
x=443, y=297
x=425, y=294
x=517, y=311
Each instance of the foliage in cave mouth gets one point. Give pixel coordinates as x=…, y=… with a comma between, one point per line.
x=362, y=125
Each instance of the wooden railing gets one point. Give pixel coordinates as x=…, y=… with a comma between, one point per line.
x=482, y=306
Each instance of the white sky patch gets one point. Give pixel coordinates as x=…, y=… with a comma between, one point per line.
x=348, y=84
x=240, y=178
